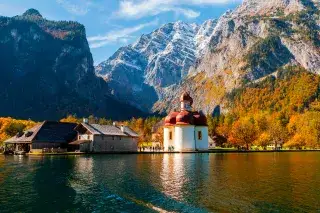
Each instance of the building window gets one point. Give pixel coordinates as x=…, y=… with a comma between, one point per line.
x=102, y=137
x=120, y=138
x=170, y=135
x=112, y=137
x=79, y=137
x=199, y=135
x=88, y=137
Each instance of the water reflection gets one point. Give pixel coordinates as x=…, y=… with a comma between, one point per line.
x=261, y=182
x=173, y=175
x=82, y=178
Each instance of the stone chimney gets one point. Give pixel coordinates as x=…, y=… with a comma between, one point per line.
x=114, y=123
x=122, y=128
x=85, y=120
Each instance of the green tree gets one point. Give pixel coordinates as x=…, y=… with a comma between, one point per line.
x=13, y=128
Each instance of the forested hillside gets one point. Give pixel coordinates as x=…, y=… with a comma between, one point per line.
x=279, y=109
x=47, y=71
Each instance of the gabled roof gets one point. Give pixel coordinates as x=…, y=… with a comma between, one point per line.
x=25, y=138
x=58, y=132
x=47, y=131
x=130, y=132
x=97, y=129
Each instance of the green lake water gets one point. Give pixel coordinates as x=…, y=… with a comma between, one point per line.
x=233, y=182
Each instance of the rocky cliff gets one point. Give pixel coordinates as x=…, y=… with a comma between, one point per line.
x=248, y=44
x=210, y=60
x=47, y=71
x=141, y=73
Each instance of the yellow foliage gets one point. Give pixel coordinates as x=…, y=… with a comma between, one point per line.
x=243, y=133
x=264, y=140
x=70, y=119
x=285, y=111
x=7, y=123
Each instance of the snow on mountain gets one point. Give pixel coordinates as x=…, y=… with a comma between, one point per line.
x=251, y=42
x=138, y=73
x=210, y=60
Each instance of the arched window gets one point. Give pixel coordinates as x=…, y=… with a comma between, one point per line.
x=170, y=135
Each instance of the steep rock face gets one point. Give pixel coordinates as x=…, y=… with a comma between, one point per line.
x=250, y=43
x=47, y=71
x=141, y=73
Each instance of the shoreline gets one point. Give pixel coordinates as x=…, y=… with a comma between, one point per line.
x=186, y=152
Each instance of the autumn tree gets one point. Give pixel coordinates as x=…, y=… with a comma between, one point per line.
x=264, y=140
x=297, y=141
x=224, y=128
x=104, y=121
x=14, y=128
x=243, y=133
x=70, y=119
x=278, y=132
x=305, y=129
x=9, y=127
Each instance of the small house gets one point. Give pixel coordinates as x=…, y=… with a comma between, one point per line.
x=105, y=138
x=48, y=136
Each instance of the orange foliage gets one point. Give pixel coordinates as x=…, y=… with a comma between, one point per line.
x=6, y=124
x=282, y=111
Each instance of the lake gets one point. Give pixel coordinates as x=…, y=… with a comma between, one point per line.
x=231, y=182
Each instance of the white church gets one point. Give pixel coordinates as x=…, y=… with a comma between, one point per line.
x=186, y=130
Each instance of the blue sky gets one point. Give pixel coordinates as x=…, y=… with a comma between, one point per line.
x=111, y=24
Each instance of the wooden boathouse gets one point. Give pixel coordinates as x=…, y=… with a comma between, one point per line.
x=48, y=136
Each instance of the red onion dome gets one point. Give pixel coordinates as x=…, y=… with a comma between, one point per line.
x=200, y=119
x=185, y=118
x=171, y=119
x=186, y=97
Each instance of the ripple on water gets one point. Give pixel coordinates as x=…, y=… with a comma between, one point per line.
x=259, y=182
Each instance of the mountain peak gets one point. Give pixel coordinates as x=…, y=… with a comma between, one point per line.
x=32, y=12
x=262, y=7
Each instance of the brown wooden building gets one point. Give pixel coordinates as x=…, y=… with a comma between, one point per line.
x=49, y=136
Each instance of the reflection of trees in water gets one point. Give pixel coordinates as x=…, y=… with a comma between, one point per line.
x=280, y=182
x=258, y=181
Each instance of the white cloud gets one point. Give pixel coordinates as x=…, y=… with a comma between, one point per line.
x=121, y=36
x=80, y=8
x=141, y=8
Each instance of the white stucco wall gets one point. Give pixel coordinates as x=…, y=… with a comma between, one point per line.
x=184, y=138
x=110, y=144
x=202, y=144
x=166, y=140
x=116, y=144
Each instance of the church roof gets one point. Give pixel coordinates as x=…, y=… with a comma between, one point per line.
x=186, y=118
